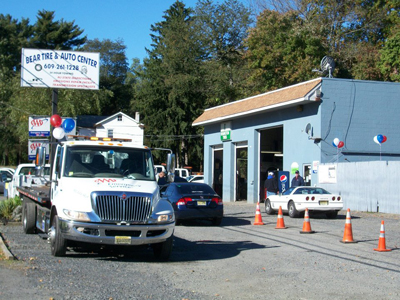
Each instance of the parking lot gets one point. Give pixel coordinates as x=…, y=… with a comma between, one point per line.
x=237, y=260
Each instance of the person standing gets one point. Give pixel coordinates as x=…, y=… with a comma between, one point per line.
x=270, y=185
x=162, y=180
x=297, y=180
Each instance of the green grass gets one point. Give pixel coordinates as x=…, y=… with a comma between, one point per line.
x=7, y=207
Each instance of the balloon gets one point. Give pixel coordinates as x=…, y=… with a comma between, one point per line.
x=68, y=125
x=333, y=144
x=58, y=133
x=379, y=137
x=340, y=145
x=55, y=120
x=336, y=142
x=384, y=139
x=376, y=139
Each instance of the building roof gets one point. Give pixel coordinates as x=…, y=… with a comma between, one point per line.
x=113, y=116
x=88, y=121
x=293, y=95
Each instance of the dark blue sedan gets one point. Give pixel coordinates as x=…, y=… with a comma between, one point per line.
x=194, y=201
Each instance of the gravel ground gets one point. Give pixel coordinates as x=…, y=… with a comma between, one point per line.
x=237, y=260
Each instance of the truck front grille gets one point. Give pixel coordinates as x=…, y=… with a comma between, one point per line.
x=122, y=208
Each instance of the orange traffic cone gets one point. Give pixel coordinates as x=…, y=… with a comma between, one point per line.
x=382, y=240
x=348, y=231
x=306, y=223
x=280, y=224
x=258, y=219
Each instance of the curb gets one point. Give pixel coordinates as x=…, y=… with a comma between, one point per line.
x=6, y=252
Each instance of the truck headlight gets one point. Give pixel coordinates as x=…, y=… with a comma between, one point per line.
x=76, y=215
x=165, y=216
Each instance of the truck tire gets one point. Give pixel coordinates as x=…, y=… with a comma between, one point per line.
x=57, y=242
x=29, y=217
x=162, y=251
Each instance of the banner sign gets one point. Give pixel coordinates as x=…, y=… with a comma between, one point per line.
x=39, y=126
x=33, y=144
x=60, y=69
x=327, y=173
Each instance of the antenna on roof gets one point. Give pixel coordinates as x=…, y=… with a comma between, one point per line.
x=327, y=66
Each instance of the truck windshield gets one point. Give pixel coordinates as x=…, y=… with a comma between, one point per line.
x=117, y=162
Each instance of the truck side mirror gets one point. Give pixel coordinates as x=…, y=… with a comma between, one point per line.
x=171, y=167
x=40, y=160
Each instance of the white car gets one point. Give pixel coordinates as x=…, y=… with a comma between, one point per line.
x=295, y=200
x=196, y=178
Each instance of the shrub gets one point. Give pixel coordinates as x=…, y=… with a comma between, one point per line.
x=7, y=207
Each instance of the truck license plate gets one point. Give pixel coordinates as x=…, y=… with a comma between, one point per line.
x=201, y=203
x=323, y=202
x=123, y=240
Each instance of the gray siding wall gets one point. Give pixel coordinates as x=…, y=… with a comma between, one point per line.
x=355, y=111
x=368, y=186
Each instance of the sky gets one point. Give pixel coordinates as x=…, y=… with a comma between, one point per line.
x=129, y=20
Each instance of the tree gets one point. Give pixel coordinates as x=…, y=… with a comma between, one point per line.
x=281, y=51
x=389, y=63
x=170, y=95
x=353, y=32
x=113, y=72
x=14, y=36
x=223, y=29
x=55, y=35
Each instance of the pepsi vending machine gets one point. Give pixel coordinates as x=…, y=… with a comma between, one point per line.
x=283, y=181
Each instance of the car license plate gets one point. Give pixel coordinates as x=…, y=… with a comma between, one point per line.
x=201, y=203
x=323, y=202
x=123, y=240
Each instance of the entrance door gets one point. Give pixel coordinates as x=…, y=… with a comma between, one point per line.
x=307, y=175
x=271, y=154
x=217, y=170
x=241, y=173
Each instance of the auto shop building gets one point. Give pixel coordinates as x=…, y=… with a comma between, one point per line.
x=295, y=128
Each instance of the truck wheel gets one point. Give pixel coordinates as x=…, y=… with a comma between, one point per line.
x=57, y=242
x=292, y=211
x=29, y=217
x=163, y=250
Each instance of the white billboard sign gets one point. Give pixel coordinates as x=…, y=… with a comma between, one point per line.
x=33, y=144
x=60, y=69
x=39, y=126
